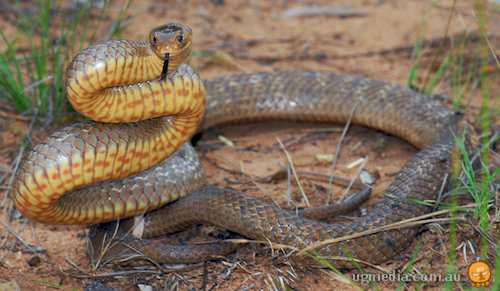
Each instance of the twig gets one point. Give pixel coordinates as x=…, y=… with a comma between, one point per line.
x=33, y=85
x=74, y=265
x=322, y=10
x=18, y=158
x=13, y=116
x=338, y=180
x=289, y=185
x=399, y=50
x=351, y=259
x=292, y=167
x=337, y=151
x=18, y=237
x=13, y=173
x=484, y=35
x=441, y=47
x=117, y=274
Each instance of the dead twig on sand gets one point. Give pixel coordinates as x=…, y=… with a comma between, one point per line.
x=337, y=180
x=28, y=246
x=294, y=172
x=341, y=11
x=403, y=50
x=337, y=151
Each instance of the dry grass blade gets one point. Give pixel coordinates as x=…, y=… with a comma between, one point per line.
x=411, y=222
x=18, y=237
x=294, y=172
x=97, y=260
x=8, y=115
x=12, y=173
x=273, y=246
x=350, y=259
x=322, y=10
x=17, y=163
x=337, y=151
x=116, y=274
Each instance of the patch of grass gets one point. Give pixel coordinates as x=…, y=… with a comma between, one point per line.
x=465, y=76
x=464, y=66
x=32, y=66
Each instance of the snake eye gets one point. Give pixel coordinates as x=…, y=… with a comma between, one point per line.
x=154, y=40
x=180, y=38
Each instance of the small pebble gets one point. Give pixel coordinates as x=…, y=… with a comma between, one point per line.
x=144, y=287
x=367, y=178
x=16, y=215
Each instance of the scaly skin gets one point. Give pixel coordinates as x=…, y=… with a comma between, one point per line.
x=111, y=82
x=54, y=184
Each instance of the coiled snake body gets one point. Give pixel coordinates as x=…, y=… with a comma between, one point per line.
x=152, y=104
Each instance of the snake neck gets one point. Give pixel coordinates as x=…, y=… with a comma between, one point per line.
x=112, y=75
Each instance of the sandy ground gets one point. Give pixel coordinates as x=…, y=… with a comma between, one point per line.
x=259, y=38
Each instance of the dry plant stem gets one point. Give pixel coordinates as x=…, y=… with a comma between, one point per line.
x=17, y=236
x=337, y=152
x=294, y=172
x=419, y=220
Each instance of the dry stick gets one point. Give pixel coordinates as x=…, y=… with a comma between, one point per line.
x=117, y=274
x=488, y=237
x=104, y=248
x=440, y=49
x=337, y=151
x=74, y=265
x=17, y=236
x=488, y=43
x=338, y=180
x=13, y=116
x=292, y=167
x=441, y=189
x=13, y=173
x=492, y=50
x=289, y=185
x=18, y=159
x=139, y=255
x=107, y=245
x=33, y=85
x=392, y=226
x=322, y=10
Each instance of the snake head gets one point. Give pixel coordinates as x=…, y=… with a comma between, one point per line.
x=171, y=43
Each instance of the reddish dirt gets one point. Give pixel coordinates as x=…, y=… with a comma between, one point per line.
x=260, y=40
